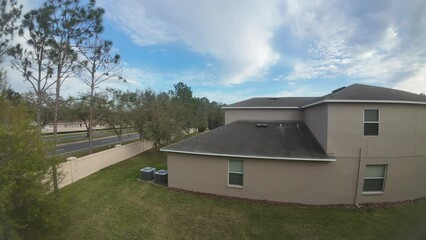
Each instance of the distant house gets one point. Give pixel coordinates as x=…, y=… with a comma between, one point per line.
x=357, y=144
x=75, y=126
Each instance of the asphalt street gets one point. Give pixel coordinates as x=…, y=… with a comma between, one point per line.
x=83, y=145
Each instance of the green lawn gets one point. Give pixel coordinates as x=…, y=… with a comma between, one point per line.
x=113, y=204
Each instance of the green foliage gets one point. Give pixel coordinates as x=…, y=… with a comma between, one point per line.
x=26, y=201
x=33, y=61
x=160, y=126
x=118, y=108
x=163, y=118
x=10, y=11
x=193, y=112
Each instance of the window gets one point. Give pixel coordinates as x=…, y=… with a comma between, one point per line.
x=374, y=178
x=235, y=172
x=371, y=122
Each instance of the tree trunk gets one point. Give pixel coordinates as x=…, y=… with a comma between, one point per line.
x=55, y=125
x=92, y=92
x=39, y=111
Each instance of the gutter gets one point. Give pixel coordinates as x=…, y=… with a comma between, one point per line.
x=260, y=108
x=364, y=101
x=330, y=101
x=250, y=156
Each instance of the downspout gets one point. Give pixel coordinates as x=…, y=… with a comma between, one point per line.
x=357, y=179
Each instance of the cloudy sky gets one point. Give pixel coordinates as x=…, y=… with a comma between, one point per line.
x=233, y=50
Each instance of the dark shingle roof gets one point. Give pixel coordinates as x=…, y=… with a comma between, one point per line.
x=290, y=102
x=355, y=92
x=367, y=92
x=278, y=140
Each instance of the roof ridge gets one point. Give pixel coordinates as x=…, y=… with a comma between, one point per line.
x=339, y=92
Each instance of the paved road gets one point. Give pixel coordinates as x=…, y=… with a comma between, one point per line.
x=78, y=146
x=81, y=136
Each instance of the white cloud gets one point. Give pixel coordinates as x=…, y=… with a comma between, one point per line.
x=380, y=42
x=414, y=83
x=369, y=41
x=237, y=33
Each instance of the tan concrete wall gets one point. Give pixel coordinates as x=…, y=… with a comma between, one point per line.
x=316, y=119
x=78, y=168
x=232, y=115
x=402, y=130
x=296, y=181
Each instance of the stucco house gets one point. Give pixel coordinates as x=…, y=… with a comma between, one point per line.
x=357, y=144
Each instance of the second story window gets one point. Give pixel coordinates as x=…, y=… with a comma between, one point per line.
x=371, y=122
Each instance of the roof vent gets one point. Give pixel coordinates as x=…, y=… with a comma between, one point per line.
x=273, y=98
x=336, y=90
x=261, y=125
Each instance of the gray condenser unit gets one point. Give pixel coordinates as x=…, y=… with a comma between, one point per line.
x=161, y=177
x=147, y=173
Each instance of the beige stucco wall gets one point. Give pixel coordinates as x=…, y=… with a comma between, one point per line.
x=297, y=181
x=401, y=145
x=402, y=130
x=274, y=180
x=232, y=115
x=78, y=168
x=405, y=179
x=316, y=119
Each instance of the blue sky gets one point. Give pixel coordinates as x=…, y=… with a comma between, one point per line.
x=233, y=50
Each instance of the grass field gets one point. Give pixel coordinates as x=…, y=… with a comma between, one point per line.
x=113, y=204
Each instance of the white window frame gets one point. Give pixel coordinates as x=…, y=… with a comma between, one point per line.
x=242, y=173
x=368, y=178
x=364, y=122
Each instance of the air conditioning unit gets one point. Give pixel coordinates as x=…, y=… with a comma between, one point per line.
x=147, y=173
x=161, y=177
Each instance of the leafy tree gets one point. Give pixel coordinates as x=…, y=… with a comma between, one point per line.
x=70, y=23
x=26, y=202
x=10, y=11
x=202, y=106
x=33, y=62
x=47, y=106
x=161, y=127
x=216, y=116
x=140, y=114
x=119, y=108
x=184, y=105
x=79, y=109
x=101, y=65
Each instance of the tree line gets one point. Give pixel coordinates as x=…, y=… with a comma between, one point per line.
x=160, y=117
x=63, y=40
